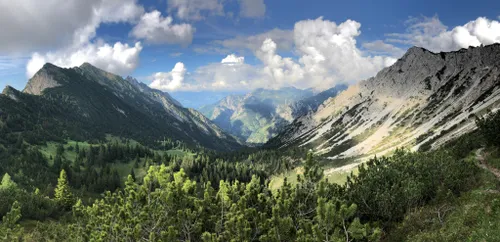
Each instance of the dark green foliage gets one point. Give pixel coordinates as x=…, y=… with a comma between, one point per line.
x=169, y=206
x=386, y=188
x=87, y=106
x=34, y=204
x=489, y=127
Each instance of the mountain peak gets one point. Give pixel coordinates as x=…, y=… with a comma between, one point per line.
x=42, y=80
x=49, y=65
x=7, y=90
x=416, y=51
x=87, y=65
x=10, y=92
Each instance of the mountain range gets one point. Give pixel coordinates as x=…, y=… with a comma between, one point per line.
x=85, y=103
x=420, y=102
x=261, y=114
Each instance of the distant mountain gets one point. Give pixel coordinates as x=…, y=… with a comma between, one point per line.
x=420, y=102
x=258, y=116
x=87, y=103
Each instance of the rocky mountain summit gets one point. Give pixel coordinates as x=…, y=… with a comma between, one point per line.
x=420, y=102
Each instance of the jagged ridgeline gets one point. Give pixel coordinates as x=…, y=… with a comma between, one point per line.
x=420, y=102
x=85, y=103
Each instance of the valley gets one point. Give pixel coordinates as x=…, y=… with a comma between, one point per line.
x=311, y=137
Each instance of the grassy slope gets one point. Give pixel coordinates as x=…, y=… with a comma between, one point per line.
x=123, y=168
x=338, y=177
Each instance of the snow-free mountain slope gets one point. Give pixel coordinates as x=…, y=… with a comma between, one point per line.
x=88, y=102
x=258, y=116
x=423, y=100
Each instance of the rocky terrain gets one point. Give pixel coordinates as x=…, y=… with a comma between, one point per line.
x=420, y=102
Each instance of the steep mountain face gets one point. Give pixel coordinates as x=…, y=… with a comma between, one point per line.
x=260, y=115
x=86, y=102
x=421, y=101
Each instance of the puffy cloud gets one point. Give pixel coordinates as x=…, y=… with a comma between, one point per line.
x=281, y=71
x=233, y=60
x=79, y=45
x=329, y=55
x=169, y=81
x=432, y=34
x=58, y=22
x=283, y=39
x=156, y=29
x=252, y=8
x=120, y=58
x=194, y=9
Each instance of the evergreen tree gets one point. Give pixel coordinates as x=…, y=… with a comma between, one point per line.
x=312, y=171
x=7, y=183
x=13, y=216
x=132, y=174
x=63, y=194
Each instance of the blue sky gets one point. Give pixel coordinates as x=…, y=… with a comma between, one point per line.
x=180, y=45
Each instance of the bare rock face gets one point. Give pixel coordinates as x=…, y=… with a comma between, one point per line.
x=424, y=99
x=41, y=81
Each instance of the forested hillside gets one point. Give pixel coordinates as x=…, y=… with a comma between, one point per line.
x=86, y=103
x=404, y=197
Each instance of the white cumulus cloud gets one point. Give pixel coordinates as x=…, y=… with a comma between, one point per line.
x=156, y=29
x=120, y=58
x=432, y=34
x=280, y=71
x=326, y=55
x=233, y=59
x=329, y=55
x=169, y=81
x=30, y=25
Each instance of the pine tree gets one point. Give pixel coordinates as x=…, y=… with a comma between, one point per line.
x=132, y=174
x=63, y=194
x=312, y=171
x=13, y=216
x=7, y=183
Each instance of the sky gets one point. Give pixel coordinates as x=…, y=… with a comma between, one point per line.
x=214, y=47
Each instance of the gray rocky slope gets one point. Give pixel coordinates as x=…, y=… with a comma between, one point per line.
x=423, y=100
